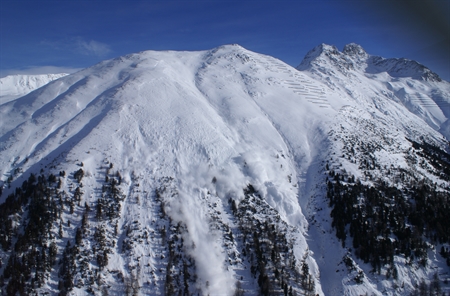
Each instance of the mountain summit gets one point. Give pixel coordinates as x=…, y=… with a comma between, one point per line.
x=420, y=90
x=354, y=57
x=226, y=172
x=354, y=49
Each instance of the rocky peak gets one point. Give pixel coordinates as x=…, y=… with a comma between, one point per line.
x=326, y=57
x=354, y=50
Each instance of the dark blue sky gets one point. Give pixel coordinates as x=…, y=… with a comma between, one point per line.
x=42, y=36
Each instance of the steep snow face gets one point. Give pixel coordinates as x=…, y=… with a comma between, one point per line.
x=14, y=86
x=227, y=109
x=386, y=102
x=188, y=133
x=402, y=81
x=227, y=115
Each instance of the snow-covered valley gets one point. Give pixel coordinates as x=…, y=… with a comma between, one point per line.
x=214, y=172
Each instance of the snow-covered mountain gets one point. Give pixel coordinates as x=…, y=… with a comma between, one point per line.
x=224, y=172
x=400, y=80
x=15, y=86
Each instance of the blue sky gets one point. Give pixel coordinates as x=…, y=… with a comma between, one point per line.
x=53, y=36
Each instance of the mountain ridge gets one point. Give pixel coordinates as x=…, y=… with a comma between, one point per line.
x=401, y=80
x=15, y=86
x=354, y=57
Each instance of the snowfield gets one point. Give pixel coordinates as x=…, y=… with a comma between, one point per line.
x=15, y=86
x=187, y=132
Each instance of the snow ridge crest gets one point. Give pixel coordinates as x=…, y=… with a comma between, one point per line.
x=327, y=58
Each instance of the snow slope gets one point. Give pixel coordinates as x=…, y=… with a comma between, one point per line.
x=15, y=86
x=402, y=81
x=198, y=128
x=384, y=100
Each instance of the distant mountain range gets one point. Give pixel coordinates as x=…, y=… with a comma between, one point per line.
x=227, y=172
x=15, y=86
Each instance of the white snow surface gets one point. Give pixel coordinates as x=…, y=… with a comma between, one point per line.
x=15, y=86
x=382, y=81
x=229, y=113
